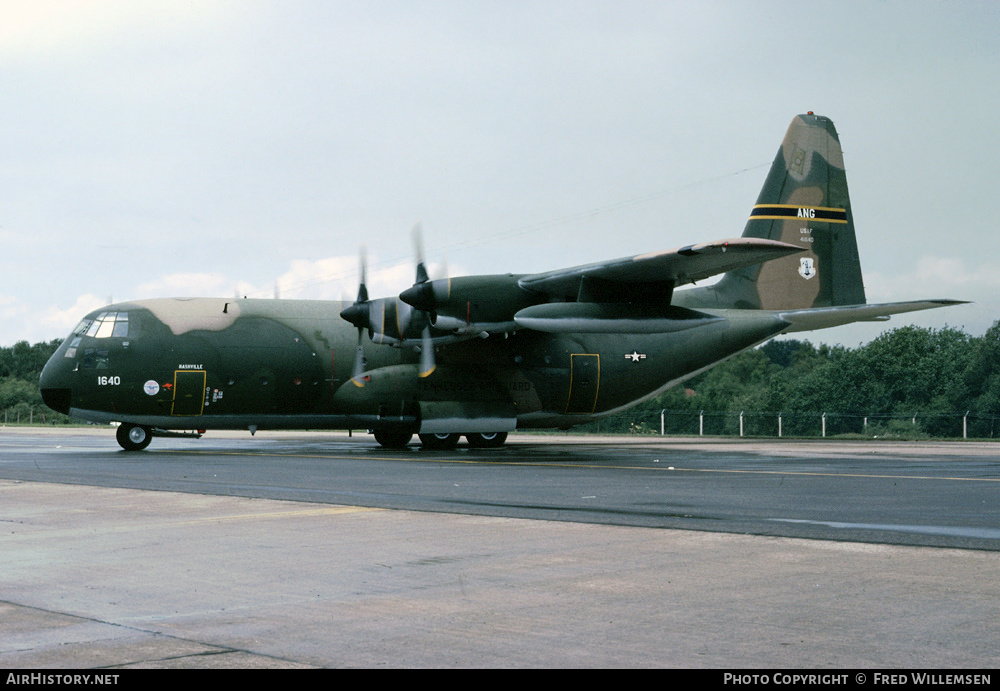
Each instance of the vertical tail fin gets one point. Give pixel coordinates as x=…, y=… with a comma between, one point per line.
x=804, y=202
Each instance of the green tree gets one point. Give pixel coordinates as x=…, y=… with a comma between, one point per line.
x=20, y=367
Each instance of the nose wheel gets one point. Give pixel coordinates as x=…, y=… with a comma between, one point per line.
x=133, y=437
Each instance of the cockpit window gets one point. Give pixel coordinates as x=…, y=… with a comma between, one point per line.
x=95, y=359
x=121, y=326
x=106, y=325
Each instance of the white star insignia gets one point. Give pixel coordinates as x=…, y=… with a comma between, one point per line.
x=635, y=356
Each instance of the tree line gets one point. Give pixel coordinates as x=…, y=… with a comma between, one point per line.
x=20, y=367
x=910, y=381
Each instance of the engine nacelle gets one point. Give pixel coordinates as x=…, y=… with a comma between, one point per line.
x=471, y=304
x=387, y=320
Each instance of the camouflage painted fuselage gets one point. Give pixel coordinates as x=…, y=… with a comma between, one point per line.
x=236, y=364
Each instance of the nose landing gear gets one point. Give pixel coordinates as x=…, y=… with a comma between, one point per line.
x=133, y=437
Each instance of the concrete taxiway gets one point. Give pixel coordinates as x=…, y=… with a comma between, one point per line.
x=108, y=576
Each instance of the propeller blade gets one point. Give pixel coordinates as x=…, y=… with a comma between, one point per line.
x=359, y=312
x=403, y=314
x=427, y=364
x=358, y=377
x=418, y=248
x=363, y=270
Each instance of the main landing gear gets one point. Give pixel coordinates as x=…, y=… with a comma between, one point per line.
x=442, y=442
x=486, y=440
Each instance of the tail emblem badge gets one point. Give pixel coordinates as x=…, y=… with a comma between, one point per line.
x=807, y=267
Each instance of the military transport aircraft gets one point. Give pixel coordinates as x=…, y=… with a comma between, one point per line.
x=480, y=356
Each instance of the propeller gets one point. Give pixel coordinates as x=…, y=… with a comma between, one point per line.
x=427, y=360
x=358, y=314
x=389, y=320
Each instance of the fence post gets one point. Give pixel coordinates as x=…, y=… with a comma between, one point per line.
x=779, y=425
x=661, y=421
x=701, y=424
x=965, y=425
x=741, y=423
x=824, y=425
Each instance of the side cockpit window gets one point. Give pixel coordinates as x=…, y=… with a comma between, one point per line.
x=94, y=358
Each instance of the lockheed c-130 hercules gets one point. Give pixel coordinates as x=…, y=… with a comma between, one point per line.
x=481, y=356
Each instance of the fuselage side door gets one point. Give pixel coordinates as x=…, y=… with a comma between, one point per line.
x=189, y=392
x=584, y=383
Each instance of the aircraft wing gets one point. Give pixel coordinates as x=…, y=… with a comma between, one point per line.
x=678, y=266
x=825, y=317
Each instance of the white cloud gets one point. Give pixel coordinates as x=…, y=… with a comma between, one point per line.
x=332, y=278
x=65, y=319
x=336, y=278
x=21, y=321
x=187, y=285
x=63, y=27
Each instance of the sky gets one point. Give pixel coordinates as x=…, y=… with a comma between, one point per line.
x=221, y=148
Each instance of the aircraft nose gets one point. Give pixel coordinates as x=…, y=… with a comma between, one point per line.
x=55, y=383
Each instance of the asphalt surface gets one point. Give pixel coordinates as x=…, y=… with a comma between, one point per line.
x=321, y=550
x=931, y=494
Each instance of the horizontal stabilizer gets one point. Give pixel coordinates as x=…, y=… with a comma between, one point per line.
x=825, y=317
x=679, y=266
x=592, y=317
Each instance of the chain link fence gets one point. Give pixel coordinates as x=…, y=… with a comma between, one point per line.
x=25, y=414
x=753, y=423
x=745, y=423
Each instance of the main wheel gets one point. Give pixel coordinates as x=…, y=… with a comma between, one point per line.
x=440, y=442
x=393, y=440
x=133, y=437
x=486, y=440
